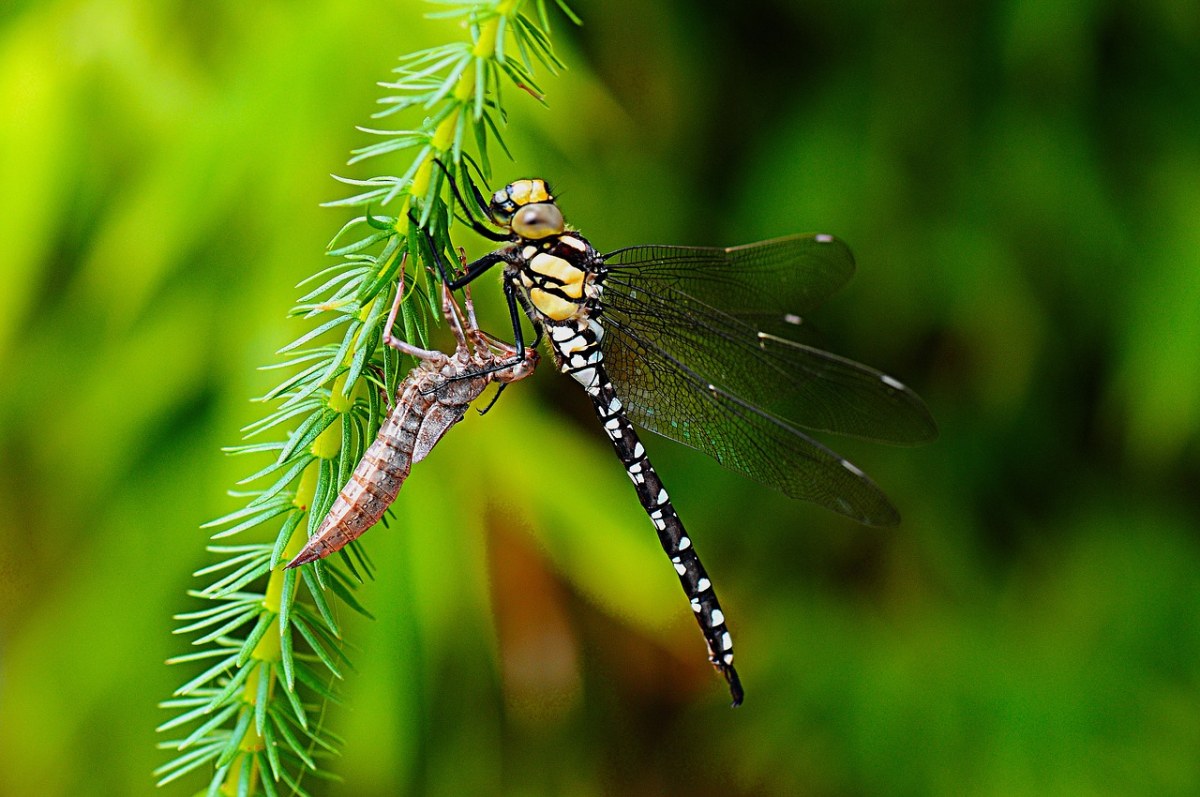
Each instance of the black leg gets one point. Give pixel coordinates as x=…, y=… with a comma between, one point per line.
x=510, y=295
x=470, y=273
x=538, y=328
x=475, y=269
x=475, y=224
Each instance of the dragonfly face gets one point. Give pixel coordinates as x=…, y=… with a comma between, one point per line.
x=526, y=208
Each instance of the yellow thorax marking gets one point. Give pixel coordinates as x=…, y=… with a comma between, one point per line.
x=559, y=270
x=555, y=268
x=552, y=306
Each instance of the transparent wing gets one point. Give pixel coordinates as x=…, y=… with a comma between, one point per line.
x=666, y=396
x=761, y=283
x=724, y=317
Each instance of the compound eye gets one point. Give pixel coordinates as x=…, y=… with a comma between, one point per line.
x=539, y=220
x=501, y=212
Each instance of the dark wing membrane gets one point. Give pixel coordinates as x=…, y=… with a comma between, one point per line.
x=773, y=278
x=693, y=306
x=665, y=396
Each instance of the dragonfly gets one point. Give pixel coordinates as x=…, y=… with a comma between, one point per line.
x=699, y=345
x=433, y=397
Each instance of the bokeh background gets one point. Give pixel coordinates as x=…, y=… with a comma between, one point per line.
x=1020, y=182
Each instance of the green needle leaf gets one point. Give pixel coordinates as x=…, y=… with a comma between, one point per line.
x=270, y=648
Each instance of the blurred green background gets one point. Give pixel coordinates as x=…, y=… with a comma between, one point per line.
x=1020, y=182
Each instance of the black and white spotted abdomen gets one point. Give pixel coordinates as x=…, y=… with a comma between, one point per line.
x=576, y=347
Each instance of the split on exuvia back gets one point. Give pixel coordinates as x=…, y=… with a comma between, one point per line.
x=697, y=345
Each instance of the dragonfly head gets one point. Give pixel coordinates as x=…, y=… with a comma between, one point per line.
x=527, y=208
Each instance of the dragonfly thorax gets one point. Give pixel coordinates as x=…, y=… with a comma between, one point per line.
x=559, y=275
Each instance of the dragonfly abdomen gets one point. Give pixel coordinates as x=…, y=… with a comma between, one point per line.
x=671, y=534
x=577, y=352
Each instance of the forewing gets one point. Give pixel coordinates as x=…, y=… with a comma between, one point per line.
x=728, y=315
x=764, y=280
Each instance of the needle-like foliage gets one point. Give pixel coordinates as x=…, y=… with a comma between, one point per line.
x=267, y=644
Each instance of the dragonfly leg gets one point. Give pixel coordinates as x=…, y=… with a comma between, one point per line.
x=470, y=272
